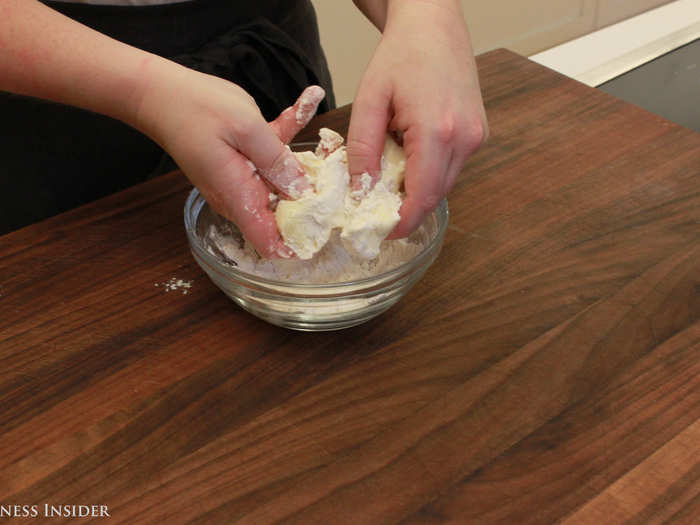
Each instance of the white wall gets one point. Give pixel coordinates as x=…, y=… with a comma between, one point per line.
x=524, y=26
x=348, y=39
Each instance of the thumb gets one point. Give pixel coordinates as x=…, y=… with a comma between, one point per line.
x=368, y=125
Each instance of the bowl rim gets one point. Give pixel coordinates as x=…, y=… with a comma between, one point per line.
x=441, y=214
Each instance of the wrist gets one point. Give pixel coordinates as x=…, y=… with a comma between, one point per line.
x=453, y=6
x=155, y=96
x=427, y=10
x=443, y=20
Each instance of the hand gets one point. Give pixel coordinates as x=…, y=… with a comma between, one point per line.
x=211, y=127
x=217, y=135
x=421, y=81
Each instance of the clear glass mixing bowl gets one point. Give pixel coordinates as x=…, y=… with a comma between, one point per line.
x=309, y=307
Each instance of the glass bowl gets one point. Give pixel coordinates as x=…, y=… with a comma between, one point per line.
x=309, y=307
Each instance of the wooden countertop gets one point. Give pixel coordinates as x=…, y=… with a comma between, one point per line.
x=546, y=368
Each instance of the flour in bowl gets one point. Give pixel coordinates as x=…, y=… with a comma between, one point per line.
x=333, y=264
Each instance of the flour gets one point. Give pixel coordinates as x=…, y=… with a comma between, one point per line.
x=176, y=284
x=332, y=264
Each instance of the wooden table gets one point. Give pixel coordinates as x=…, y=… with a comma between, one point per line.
x=546, y=368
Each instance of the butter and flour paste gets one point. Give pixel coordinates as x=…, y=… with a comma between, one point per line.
x=364, y=217
x=337, y=233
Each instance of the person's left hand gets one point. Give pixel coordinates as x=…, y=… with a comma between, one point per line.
x=422, y=81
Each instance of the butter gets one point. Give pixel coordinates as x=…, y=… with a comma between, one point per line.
x=370, y=220
x=364, y=218
x=307, y=222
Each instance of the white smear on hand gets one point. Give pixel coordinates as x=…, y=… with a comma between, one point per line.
x=308, y=104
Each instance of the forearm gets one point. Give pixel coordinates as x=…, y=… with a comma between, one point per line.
x=47, y=55
x=379, y=11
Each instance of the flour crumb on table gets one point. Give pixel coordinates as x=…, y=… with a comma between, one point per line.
x=175, y=284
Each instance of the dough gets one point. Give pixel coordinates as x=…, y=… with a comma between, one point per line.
x=363, y=217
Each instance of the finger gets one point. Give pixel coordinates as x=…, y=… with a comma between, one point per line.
x=468, y=140
x=450, y=175
x=427, y=163
x=293, y=119
x=240, y=195
x=368, y=126
x=273, y=160
x=455, y=167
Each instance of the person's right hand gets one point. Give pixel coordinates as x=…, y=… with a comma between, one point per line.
x=215, y=132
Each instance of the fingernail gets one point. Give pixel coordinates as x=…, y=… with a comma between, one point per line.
x=361, y=185
x=283, y=250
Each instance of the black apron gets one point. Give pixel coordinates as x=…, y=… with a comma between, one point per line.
x=56, y=157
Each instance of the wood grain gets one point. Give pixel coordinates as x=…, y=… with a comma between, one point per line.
x=546, y=369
